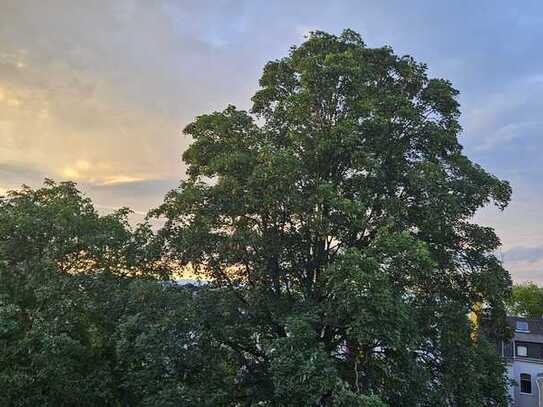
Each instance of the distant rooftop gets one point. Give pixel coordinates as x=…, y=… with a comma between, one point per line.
x=523, y=325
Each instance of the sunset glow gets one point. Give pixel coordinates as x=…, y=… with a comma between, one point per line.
x=99, y=94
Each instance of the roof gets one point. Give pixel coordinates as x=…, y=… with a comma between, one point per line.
x=535, y=329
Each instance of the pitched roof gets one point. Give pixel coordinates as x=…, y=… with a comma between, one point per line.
x=535, y=329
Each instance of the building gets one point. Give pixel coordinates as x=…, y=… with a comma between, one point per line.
x=524, y=357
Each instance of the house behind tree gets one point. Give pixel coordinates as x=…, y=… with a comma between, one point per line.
x=524, y=357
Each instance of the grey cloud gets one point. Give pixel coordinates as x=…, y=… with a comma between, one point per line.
x=13, y=175
x=101, y=89
x=535, y=276
x=136, y=188
x=18, y=170
x=524, y=254
x=138, y=195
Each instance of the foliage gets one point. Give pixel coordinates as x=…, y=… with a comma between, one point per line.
x=57, y=227
x=527, y=301
x=337, y=212
x=83, y=320
x=333, y=223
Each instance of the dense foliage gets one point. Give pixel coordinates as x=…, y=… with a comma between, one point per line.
x=333, y=223
x=84, y=320
x=338, y=212
x=527, y=301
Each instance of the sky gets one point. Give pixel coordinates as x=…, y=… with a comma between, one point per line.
x=99, y=91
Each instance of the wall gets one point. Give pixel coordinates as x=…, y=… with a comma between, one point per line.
x=525, y=366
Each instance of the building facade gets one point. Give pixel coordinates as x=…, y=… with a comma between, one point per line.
x=524, y=357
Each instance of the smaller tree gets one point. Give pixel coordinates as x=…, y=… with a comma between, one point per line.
x=57, y=227
x=65, y=273
x=527, y=301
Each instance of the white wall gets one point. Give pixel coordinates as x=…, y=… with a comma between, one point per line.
x=533, y=369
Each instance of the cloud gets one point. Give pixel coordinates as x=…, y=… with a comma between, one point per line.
x=120, y=179
x=139, y=195
x=14, y=174
x=99, y=91
x=507, y=133
x=507, y=114
x=135, y=187
x=524, y=254
x=527, y=271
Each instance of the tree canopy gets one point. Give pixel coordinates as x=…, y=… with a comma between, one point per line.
x=84, y=319
x=338, y=213
x=527, y=301
x=333, y=225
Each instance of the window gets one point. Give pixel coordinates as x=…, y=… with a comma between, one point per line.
x=522, y=326
x=522, y=351
x=525, y=383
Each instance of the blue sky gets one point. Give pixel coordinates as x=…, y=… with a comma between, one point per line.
x=99, y=91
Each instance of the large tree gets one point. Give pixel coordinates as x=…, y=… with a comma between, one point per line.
x=335, y=219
